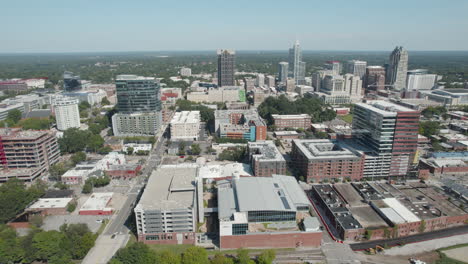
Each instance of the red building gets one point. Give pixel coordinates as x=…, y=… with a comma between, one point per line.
x=97, y=204
x=292, y=121
x=124, y=171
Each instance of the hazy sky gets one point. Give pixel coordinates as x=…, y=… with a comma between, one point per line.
x=114, y=25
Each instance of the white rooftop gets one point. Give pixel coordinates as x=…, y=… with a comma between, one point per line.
x=385, y=108
x=401, y=210
x=131, y=77
x=97, y=201
x=45, y=203
x=186, y=117
x=225, y=170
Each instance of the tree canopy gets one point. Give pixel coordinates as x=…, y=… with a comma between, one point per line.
x=14, y=197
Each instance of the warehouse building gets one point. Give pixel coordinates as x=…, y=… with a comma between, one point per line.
x=97, y=204
x=270, y=212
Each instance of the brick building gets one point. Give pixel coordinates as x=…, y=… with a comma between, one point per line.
x=124, y=171
x=320, y=159
x=32, y=152
x=266, y=159
x=49, y=206
x=97, y=204
x=292, y=121
x=240, y=124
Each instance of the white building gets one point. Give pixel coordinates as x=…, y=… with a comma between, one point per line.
x=67, y=113
x=185, y=71
x=6, y=108
x=92, y=97
x=222, y=94
x=136, y=124
x=137, y=147
x=270, y=81
x=260, y=81
x=420, y=79
x=357, y=68
x=185, y=125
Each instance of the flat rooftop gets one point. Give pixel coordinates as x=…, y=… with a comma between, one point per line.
x=97, y=201
x=318, y=149
x=349, y=194
x=16, y=133
x=265, y=150
x=170, y=187
x=131, y=77
x=367, y=217
x=47, y=203
x=225, y=170
x=385, y=108
x=299, y=116
x=186, y=117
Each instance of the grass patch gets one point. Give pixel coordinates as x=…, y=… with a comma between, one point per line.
x=454, y=246
x=347, y=118
x=177, y=249
x=446, y=260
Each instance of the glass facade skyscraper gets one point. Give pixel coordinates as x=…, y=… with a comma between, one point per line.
x=226, y=65
x=296, y=65
x=137, y=94
x=71, y=82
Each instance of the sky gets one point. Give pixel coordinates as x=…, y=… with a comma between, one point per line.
x=155, y=25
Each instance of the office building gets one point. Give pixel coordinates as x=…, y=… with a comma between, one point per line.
x=283, y=71
x=320, y=159
x=375, y=79
x=13, y=86
x=249, y=84
x=353, y=86
x=265, y=159
x=390, y=131
x=447, y=97
x=265, y=212
x=137, y=94
x=71, y=82
x=296, y=65
x=357, y=68
x=317, y=78
x=291, y=121
x=186, y=72
x=226, y=67
x=420, y=79
x=67, y=114
x=185, y=125
x=136, y=124
x=290, y=85
x=27, y=154
x=167, y=210
x=270, y=81
x=334, y=67
x=397, y=68
x=260, y=80
x=241, y=124
x=91, y=97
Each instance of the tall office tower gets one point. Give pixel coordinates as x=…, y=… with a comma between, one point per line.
x=333, y=84
x=283, y=69
x=317, y=78
x=138, y=106
x=397, y=68
x=357, y=68
x=334, y=66
x=137, y=94
x=226, y=64
x=353, y=86
x=71, y=82
x=297, y=66
x=67, y=113
x=390, y=131
x=270, y=81
x=260, y=80
x=375, y=79
x=420, y=79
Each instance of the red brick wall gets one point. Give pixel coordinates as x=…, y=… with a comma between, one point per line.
x=278, y=240
x=188, y=238
x=261, y=132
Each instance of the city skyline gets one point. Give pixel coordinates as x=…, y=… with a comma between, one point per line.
x=416, y=25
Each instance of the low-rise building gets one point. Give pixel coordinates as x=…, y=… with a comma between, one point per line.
x=319, y=159
x=221, y=94
x=97, y=204
x=137, y=147
x=49, y=206
x=166, y=212
x=265, y=213
x=240, y=124
x=286, y=134
x=185, y=125
x=292, y=121
x=266, y=159
x=123, y=171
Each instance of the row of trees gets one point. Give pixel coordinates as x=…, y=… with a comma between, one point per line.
x=14, y=119
x=92, y=182
x=72, y=242
x=319, y=111
x=75, y=140
x=139, y=253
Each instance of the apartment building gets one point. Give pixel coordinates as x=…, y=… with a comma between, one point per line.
x=185, y=125
x=292, y=121
x=222, y=94
x=26, y=154
x=240, y=124
x=67, y=113
x=266, y=159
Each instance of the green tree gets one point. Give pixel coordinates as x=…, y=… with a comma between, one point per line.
x=243, y=257
x=48, y=244
x=167, y=257
x=87, y=188
x=429, y=128
x=36, y=220
x=195, y=149
x=10, y=247
x=71, y=207
x=14, y=197
x=105, y=150
x=57, y=170
x=35, y=123
x=95, y=142
x=105, y=101
x=84, y=106
x=195, y=255
x=181, y=148
x=136, y=253
x=221, y=259
x=368, y=234
x=267, y=257
x=130, y=151
x=14, y=115
x=73, y=140
x=422, y=226
x=78, y=157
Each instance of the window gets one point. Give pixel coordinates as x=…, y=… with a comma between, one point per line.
x=152, y=237
x=240, y=229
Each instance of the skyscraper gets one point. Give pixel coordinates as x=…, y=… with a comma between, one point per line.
x=390, y=131
x=283, y=68
x=357, y=68
x=334, y=66
x=71, y=82
x=226, y=65
x=138, y=106
x=67, y=113
x=375, y=78
x=397, y=68
x=297, y=66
